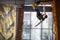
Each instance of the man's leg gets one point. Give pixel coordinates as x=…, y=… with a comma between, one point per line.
x=38, y=22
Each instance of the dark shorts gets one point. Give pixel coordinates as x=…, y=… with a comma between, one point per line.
x=41, y=17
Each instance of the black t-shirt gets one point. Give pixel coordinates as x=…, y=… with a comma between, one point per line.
x=39, y=15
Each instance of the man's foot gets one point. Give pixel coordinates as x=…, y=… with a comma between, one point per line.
x=35, y=25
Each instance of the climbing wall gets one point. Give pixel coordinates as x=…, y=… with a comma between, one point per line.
x=7, y=22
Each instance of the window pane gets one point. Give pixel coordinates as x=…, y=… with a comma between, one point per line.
x=47, y=34
x=26, y=34
x=35, y=34
x=26, y=21
x=48, y=23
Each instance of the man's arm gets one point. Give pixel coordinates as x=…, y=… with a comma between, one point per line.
x=38, y=23
x=44, y=10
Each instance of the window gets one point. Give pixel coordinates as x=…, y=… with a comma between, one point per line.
x=43, y=31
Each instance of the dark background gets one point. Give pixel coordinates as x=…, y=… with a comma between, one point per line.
x=58, y=16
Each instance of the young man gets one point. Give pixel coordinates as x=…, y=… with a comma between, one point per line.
x=39, y=15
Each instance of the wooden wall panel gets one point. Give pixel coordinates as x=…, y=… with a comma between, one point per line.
x=58, y=16
x=20, y=23
x=55, y=20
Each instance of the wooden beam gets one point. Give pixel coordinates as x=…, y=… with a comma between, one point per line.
x=55, y=20
x=20, y=23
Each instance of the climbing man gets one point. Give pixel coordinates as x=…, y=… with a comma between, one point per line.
x=39, y=15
